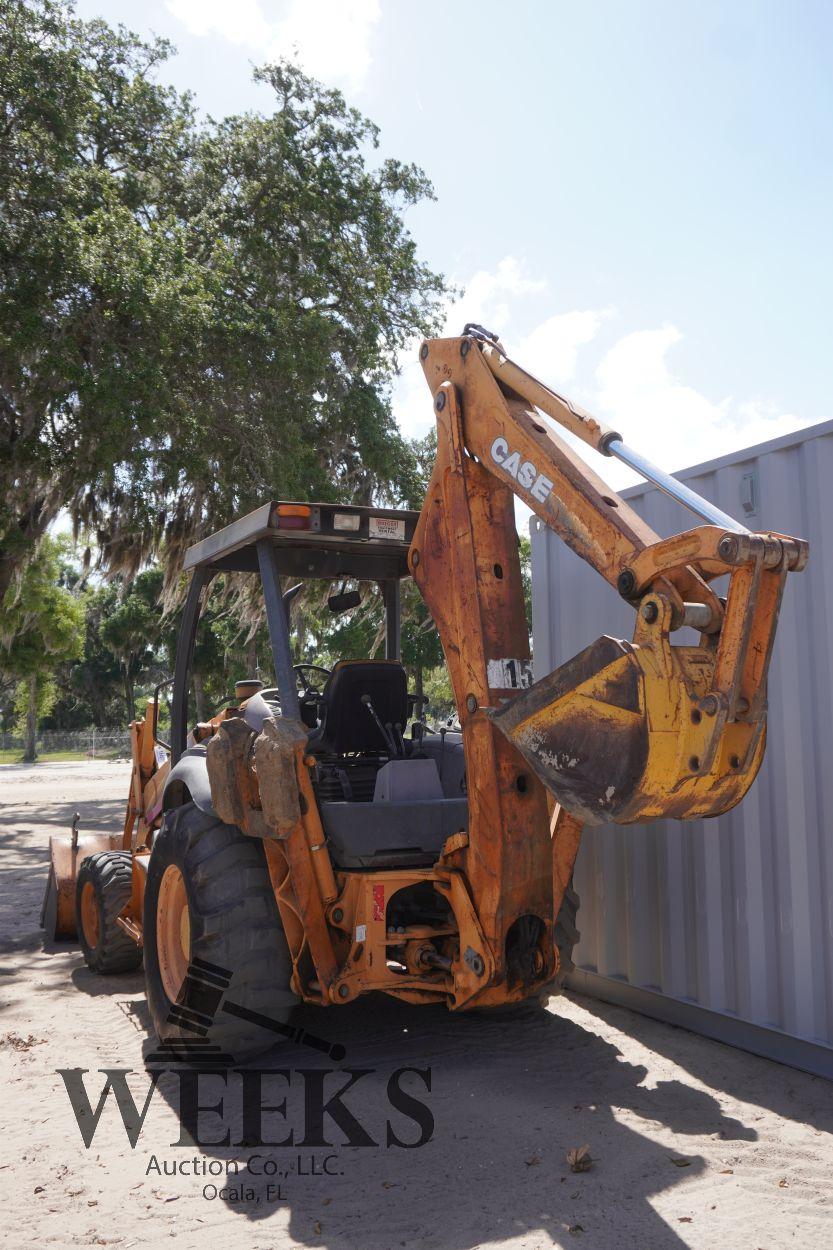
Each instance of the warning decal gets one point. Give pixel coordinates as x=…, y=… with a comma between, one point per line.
x=386, y=527
x=378, y=902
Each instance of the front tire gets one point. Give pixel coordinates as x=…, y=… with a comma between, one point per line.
x=209, y=903
x=102, y=891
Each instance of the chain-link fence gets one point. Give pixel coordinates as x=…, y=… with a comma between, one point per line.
x=89, y=743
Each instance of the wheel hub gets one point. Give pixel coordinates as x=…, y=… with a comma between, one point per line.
x=173, y=932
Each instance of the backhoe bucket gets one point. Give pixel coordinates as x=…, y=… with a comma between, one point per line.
x=619, y=734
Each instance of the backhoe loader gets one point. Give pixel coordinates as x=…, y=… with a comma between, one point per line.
x=315, y=841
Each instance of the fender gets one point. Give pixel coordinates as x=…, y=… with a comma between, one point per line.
x=188, y=779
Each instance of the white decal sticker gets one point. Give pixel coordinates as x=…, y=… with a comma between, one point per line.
x=361, y=932
x=510, y=674
x=386, y=527
x=523, y=471
x=161, y=755
x=346, y=521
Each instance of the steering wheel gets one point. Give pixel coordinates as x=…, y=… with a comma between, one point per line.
x=306, y=689
x=307, y=693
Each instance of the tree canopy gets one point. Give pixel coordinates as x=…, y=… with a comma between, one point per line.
x=194, y=316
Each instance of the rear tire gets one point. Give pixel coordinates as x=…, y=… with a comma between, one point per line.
x=102, y=891
x=230, y=921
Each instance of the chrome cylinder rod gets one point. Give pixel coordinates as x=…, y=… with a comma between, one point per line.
x=676, y=490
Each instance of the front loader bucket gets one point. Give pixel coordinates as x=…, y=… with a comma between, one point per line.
x=66, y=853
x=618, y=734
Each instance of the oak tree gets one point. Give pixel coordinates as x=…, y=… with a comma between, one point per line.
x=194, y=316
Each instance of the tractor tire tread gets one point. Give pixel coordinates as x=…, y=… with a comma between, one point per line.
x=235, y=923
x=111, y=876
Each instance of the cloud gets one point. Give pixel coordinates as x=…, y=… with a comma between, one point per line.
x=675, y=424
x=551, y=350
x=488, y=297
x=241, y=22
x=332, y=38
x=634, y=379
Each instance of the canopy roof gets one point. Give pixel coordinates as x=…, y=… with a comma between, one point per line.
x=325, y=540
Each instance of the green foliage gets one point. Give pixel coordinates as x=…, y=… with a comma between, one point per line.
x=130, y=645
x=42, y=621
x=192, y=316
x=96, y=287
x=232, y=643
x=93, y=690
x=43, y=625
x=132, y=625
x=361, y=633
x=436, y=687
x=46, y=692
x=421, y=648
x=132, y=628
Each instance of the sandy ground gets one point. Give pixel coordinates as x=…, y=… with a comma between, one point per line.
x=694, y=1144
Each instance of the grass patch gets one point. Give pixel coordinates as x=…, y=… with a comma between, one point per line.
x=60, y=757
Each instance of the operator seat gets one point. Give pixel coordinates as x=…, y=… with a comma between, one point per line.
x=347, y=725
x=380, y=812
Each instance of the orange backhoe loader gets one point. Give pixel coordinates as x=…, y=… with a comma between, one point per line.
x=305, y=844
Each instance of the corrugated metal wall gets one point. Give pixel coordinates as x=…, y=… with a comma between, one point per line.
x=726, y=925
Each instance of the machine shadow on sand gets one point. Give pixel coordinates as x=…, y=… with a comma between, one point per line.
x=510, y=1095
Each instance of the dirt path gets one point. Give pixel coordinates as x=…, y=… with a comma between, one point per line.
x=695, y=1144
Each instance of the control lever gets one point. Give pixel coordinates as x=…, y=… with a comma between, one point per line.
x=389, y=742
x=395, y=735
x=400, y=741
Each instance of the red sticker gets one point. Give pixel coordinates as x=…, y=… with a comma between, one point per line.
x=378, y=902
